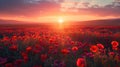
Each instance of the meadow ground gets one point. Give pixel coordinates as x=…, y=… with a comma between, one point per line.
x=49, y=46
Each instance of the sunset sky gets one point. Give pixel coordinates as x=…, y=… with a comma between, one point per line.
x=52, y=10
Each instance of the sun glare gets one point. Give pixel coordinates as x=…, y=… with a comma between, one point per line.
x=60, y=20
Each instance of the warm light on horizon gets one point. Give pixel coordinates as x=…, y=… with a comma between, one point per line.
x=60, y=20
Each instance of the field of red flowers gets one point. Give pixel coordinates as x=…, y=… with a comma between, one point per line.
x=75, y=46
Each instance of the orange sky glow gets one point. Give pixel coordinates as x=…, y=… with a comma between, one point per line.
x=51, y=10
x=55, y=18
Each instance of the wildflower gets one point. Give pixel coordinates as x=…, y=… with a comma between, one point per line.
x=111, y=53
x=72, y=42
x=94, y=48
x=28, y=49
x=74, y=48
x=90, y=55
x=114, y=48
x=65, y=51
x=14, y=38
x=36, y=51
x=5, y=39
x=80, y=62
x=9, y=65
x=25, y=56
x=37, y=46
x=18, y=62
x=43, y=57
x=100, y=46
x=114, y=43
x=51, y=40
x=13, y=48
x=50, y=47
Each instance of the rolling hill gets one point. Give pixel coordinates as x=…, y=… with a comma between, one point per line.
x=114, y=22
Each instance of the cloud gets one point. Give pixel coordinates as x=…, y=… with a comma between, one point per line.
x=85, y=8
x=38, y=8
x=27, y=7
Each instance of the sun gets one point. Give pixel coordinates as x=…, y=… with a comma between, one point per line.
x=60, y=20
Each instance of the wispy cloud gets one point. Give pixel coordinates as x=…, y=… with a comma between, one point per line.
x=39, y=8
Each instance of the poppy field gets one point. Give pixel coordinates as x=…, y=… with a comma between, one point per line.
x=75, y=46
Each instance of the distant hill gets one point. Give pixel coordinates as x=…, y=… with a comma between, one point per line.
x=102, y=22
x=11, y=22
x=115, y=22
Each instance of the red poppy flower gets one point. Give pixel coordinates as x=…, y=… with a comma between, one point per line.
x=65, y=51
x=37, y=46
x=25, y=58
x=51, y=47
x=28, y=49
x=14, y=38
x=80, y=62
x=114, y=43
x=74, y=48
x=111, y=53
x=114, y=48
x=13, y=48
x=72, y=42
x=100, y=46
x=56, y=43
x=36, y=51
x=94, y=48
x=9, y=65
x=5, y=39
x=43, y=57
x=24, y=54
x=18, y=62
x=51, y=40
